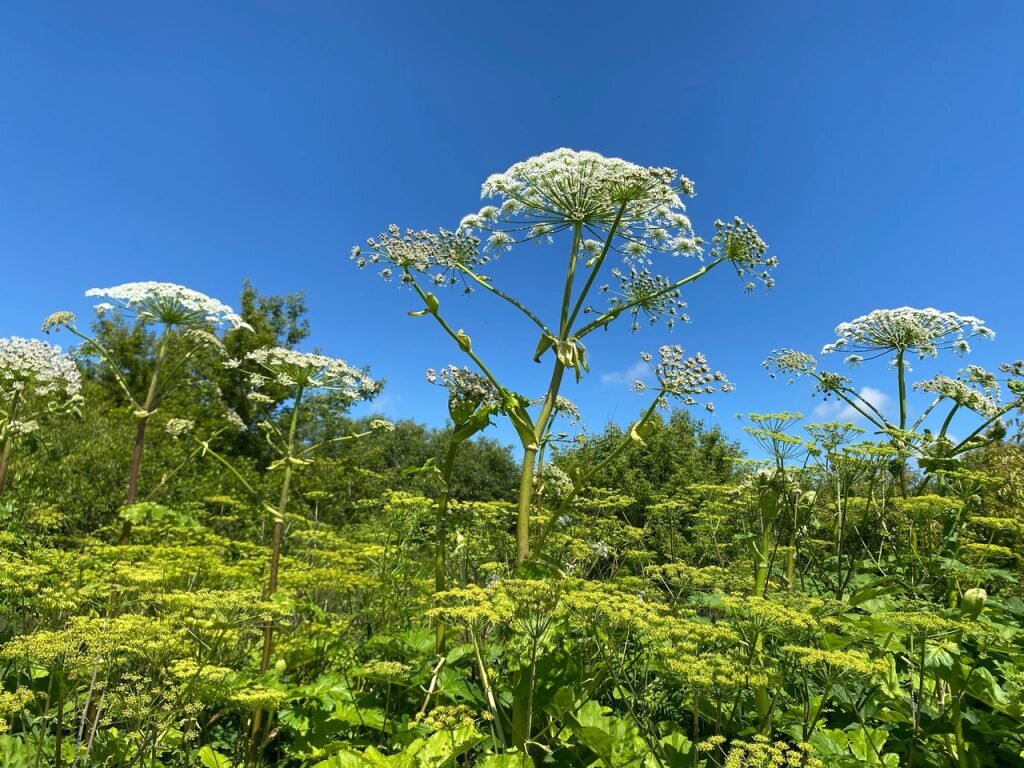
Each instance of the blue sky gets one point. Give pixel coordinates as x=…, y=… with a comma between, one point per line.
x=877, y=146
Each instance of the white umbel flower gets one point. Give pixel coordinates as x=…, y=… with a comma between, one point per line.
x=32, y=367
x=290, y=368
x=923, y=332
x=168, y=303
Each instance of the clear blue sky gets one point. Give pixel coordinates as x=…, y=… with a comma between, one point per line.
x=876, y=145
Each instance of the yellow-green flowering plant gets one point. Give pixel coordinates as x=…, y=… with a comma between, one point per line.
x=185, y=319
x=36, y=381
x=621, y=222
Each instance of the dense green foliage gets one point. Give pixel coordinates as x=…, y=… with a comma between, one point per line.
x=689, y=608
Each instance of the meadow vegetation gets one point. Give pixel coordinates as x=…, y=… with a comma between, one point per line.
x=206, y=559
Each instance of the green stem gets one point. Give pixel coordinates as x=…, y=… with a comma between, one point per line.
x=902, y=378
x=5, y=461
x=486, y=284
x=963, y=444
x=523, y=507
x=579, y=484
x=570, y=276
x=441, y=541
x=948, y=420
x=5, y=457
x=110, y=361
x=255, y=734
x=597, y=266
x=152, y=395
x=880, y=422
x=611, y=314
x=448, y=329
x=485, y=681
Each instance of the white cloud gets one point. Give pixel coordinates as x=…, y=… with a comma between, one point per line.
x=837, y=410
x=638, y=371
x=385, y=404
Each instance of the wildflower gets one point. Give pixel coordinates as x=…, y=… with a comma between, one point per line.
x=291, y=368
x=906, y=329
x=684, y=377
x=975, y=389
x=419, y=251
x=30, y=367
x=178, y=427
x=467, y=391
x=57, y=320
x=169, y=304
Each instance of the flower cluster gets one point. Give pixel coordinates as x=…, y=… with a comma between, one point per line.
x=450, y=718
x=684, y=377
x=648, y=294
x=292, y=369
x=29, y=367
x=739, y=243
x=421, y=251
x=167, y=303
x=921, y=331
x=467, y=390
x=179, y=427
x=975, y=389
x=565, y=188
x=790, y=362
x=35, y=379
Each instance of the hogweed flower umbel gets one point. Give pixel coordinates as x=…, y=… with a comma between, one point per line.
x=167, y=303
x=308, y=370
x=684, y=378
x=36, y=379
x=33, y=368
x=923, y=332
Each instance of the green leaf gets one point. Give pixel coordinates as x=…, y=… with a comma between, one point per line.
x=543, y=346
x=211, y=759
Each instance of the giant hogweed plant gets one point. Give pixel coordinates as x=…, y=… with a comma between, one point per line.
x=184, y=319
x=37, y=381
x=622, y=222
x=898, y=335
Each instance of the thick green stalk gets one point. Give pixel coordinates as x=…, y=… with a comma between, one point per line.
x=596, y=268
x=441, y=541
x=5, y=461
x=275, y=561
x=626, y=440
x=523, y=508
x=140, y=434
x=547, y=410
x=902, y=378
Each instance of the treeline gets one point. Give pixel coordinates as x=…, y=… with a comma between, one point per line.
x=77, y=470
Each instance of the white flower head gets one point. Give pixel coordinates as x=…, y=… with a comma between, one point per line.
x=167, y=303
x=564, y=188
x=923, y=332
x=684, y=377
x=973, y=388
x=178, y=427
x=442, y=253
x=310, y=371
x=467, y=390
x=30, y=367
